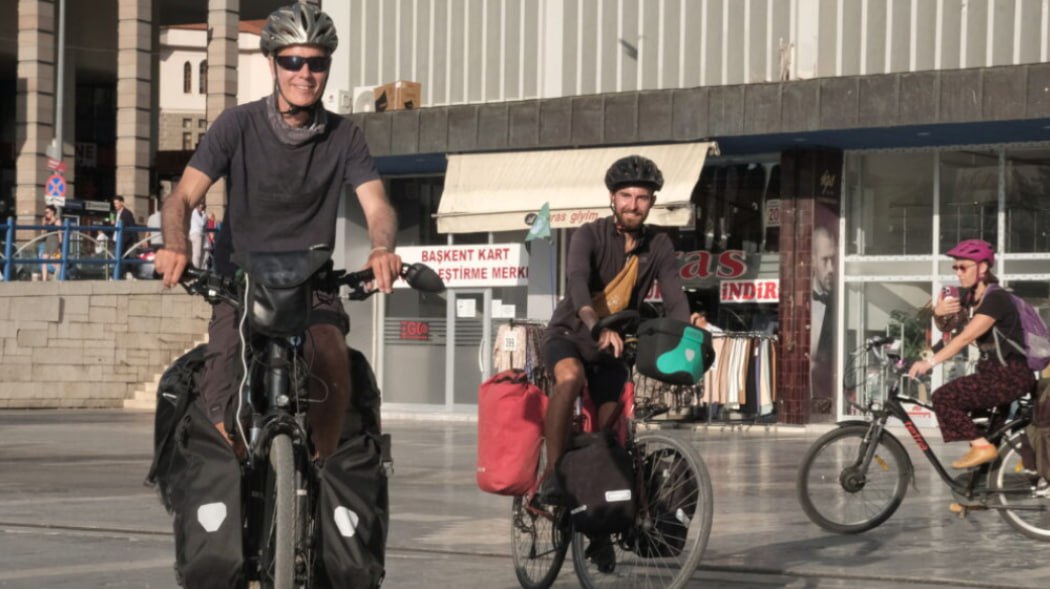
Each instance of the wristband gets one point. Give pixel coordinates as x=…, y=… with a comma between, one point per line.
x=932, y=362
x=379, y=248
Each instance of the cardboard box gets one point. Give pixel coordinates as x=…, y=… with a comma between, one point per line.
x=399, y=95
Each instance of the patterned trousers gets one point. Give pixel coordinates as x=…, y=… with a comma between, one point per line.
x=992, y=385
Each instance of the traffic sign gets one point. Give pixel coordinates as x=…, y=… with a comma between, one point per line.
x=55, y=185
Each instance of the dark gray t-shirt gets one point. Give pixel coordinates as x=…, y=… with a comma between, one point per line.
x=281, y=197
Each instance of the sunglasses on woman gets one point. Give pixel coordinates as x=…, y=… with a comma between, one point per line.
x=294, y=63
x=962, y=267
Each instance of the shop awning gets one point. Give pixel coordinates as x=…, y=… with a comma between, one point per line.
x=501, y=191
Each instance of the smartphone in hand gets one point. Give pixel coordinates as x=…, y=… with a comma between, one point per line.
x=950, y=292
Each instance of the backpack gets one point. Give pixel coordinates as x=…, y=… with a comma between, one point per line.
x=511, y=412
x=598, y=474
x=1036, y=347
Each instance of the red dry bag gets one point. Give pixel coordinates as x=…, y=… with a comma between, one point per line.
x=510, y=433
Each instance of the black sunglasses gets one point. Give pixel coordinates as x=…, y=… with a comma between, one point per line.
x=294, y=63
x=963, y=267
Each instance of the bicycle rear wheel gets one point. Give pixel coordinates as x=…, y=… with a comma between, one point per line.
x=839, y=494
x=284, y=524
x=1025, y=495
x=672, y=528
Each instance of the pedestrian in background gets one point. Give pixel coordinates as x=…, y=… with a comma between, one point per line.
x=51, y=248
x=198, y=220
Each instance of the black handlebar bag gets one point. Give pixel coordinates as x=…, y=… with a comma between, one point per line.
x=280, y=288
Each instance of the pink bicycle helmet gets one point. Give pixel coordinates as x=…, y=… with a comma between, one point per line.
x=977, y=250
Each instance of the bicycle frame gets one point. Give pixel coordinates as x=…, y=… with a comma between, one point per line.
x=279, y=416
x=894, y=407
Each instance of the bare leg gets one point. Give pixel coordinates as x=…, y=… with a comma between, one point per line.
x=568, y=382
x=329, y=384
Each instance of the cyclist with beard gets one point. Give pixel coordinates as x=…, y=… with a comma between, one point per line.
x=611, y=266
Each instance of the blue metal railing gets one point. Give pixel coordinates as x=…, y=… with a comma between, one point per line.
x=71, y=263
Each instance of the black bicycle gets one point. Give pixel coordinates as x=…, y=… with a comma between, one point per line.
x=855, y=476
x=275, y=295
x=663, y=547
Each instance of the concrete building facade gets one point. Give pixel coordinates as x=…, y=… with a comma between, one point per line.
x=882, y=131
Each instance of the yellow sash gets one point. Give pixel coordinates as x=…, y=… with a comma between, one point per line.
x=617, y=294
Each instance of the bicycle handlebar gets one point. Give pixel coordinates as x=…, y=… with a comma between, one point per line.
x=215, y=287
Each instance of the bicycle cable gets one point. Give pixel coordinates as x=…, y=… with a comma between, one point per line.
x=244, y=368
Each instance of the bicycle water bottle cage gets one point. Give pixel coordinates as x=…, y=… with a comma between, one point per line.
x=280, y=288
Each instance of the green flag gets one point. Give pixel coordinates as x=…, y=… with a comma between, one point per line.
x=541, y=225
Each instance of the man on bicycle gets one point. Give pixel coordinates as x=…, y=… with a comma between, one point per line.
x=286, y=161
x=611, y=266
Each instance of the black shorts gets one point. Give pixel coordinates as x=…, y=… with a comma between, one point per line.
x=605, y=374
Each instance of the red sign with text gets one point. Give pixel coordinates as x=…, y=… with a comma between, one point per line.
x=750, y=291
x=415, y=331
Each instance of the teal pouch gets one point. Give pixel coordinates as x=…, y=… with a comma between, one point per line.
x=673, y=351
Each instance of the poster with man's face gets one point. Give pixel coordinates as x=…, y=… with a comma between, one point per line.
x=824, y=267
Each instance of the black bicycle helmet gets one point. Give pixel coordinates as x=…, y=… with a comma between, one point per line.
x=298, y=24
x=633, y=170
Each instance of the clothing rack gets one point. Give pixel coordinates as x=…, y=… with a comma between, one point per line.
x=517, y=346
x=741, y=386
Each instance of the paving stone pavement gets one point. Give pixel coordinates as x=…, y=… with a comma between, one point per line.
x=74, y=514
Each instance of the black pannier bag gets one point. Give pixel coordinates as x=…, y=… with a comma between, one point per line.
x=177, y=389
x=199, y=479
x=192, y=460
x=353, y=508
x=353, y=515
x=673, y=351
x=598, y=474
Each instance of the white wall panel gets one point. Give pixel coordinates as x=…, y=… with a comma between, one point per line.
x=470, y=51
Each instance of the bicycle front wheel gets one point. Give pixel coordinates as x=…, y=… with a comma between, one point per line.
x=281, y=512
x=840, y=493
x=1021, y=491
x=673, y=525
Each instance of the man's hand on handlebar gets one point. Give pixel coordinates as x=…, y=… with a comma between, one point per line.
x=610, y=339
x=386, y=266
x=170, y=265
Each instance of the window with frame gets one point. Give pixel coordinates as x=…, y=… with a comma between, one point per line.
x=187, y=78
x=202, y=82
x=969, y=197
x=889, y=203
x=1027, y=201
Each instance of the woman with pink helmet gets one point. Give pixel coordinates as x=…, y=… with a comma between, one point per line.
x=994, y=383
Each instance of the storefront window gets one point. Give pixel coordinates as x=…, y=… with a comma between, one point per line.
x=969, y=197
x=1001, y=195
x=889, y=200
x=738, y=208
x=877, y=308
x=1027, y=201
